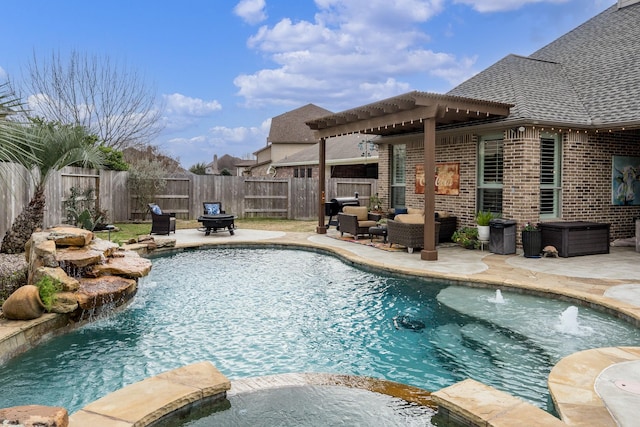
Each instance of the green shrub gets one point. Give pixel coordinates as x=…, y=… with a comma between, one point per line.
x=48, y=287
x=467, y=237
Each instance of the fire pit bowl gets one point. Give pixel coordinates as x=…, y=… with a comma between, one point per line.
x=216, y=222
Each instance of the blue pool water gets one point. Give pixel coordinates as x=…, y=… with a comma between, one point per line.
x=254, y=312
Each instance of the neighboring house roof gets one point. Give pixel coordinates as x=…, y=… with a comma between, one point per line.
x=588, y=76
x=290, y=126
x=245, y=163
x=346, y=149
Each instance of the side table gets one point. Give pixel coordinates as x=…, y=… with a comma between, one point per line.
x=378, y=230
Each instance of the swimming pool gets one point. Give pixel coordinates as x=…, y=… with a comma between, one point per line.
x=254, y=312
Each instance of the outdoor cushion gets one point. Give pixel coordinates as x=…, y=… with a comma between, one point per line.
x=361, y=212
x=212, y=208
x=367, y=224
x=415, y=211
x=156, y=210
x=399, y=211
x=410, y=218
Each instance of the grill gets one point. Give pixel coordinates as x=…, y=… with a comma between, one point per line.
x=334, y=207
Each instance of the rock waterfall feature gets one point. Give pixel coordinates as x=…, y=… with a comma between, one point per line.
x=94, y=275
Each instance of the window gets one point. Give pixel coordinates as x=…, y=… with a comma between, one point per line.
x=309, y=174
x=295, y=172
x=398, y=175
x=301, y=172
x=550, y=180
x=490, y=174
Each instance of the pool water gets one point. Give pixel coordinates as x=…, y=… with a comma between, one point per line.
x=315, y=405
x=255, y=312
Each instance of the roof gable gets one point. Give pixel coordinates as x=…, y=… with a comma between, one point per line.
x=601, y=59
x=587, y=76
x=291, y=127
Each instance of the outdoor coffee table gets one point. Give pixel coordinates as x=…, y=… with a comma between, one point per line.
x=216, y=222
x=378, y=230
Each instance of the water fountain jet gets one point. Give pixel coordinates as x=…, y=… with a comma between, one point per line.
x=498, y=298
x=569, y=321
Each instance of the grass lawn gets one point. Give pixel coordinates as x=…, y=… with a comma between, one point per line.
x=129, y=231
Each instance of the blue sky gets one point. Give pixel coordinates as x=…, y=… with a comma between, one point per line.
x=224, y=68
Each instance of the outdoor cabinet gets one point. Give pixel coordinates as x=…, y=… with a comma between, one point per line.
x=574, y=238
x=502, y=236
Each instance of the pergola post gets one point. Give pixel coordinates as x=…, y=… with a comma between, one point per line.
x=322, y=147
x=429, y=252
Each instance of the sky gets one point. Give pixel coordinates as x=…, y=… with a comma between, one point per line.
x=221, y=69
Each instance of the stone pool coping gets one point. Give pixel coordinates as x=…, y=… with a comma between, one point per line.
x=497, y=271
x=148, y=401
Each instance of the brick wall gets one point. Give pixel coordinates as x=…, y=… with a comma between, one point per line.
x=586, y=180
x=586, y=176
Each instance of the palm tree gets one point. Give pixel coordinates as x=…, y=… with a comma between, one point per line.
x=15, y=144
x=62, y=145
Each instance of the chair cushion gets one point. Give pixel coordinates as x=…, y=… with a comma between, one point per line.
x=399, y=211
x=443, y=214
x=415, y=211
x=361, y=212
x=367, y=224
x=212, y=208
x=410, y=218
x=156, y=210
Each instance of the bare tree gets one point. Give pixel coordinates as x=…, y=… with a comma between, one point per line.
x=108, y=99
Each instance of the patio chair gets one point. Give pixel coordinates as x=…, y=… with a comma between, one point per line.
x=408, y=230
x=161, y=223
x=212, y=208
x=356, y=220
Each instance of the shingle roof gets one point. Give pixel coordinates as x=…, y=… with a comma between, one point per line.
x=587, y=76
x=345, y=147
x=291, y=127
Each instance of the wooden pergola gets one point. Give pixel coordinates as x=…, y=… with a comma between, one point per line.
x=412, y=112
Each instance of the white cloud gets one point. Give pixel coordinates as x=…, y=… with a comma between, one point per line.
x=251, y=11
x=224, y=136
x=220, y=140
x=483, y=6
x=183, y=111
x=351, y=51
x=184, y=105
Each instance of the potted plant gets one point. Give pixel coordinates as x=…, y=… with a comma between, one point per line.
x=467, y=237
x=531, y=240
x=483, y=218
x=30, y=301
x=375, y=203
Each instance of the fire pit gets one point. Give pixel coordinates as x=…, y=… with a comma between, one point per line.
x=216, y=222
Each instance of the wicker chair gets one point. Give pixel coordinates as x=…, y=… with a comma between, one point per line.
x=356, y=221
x=161, y=223
x=410, y=235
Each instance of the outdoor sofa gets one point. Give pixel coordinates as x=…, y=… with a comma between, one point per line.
x=408, y=230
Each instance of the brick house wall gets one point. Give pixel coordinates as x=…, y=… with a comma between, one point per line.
x=586, y=176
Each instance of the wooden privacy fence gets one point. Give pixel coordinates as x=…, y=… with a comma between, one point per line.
x=292, y=198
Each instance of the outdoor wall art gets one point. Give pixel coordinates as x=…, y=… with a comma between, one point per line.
x=625, y=181
x=447, y=179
